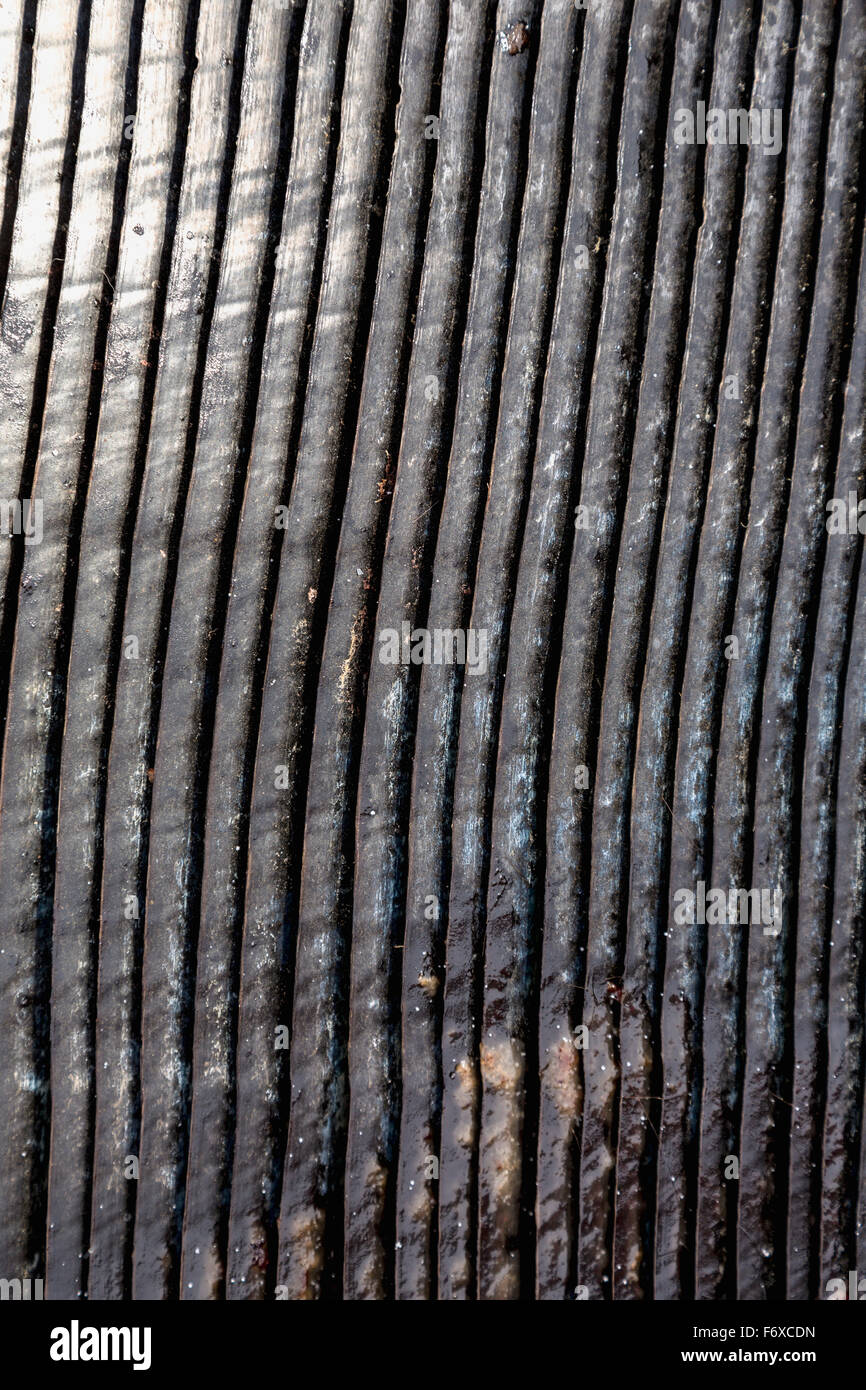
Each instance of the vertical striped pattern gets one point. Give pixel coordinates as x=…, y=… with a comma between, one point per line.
x=324, y=975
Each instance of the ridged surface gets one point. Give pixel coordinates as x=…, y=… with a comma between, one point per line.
x=326, y=972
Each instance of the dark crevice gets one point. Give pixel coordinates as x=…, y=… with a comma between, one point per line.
x=223, y=588
x=730, y=1285
x=836, y=410
x=116, y=638
x=173, y=552
x=655, y=1117
x=45, y=908
x=763, y=341
x=464, y=255
x=476, y=524
x=667, y=58
x=46, y=345
x=275, y=546
x=333, y=1236
x=16, y=148
x=649, y=1164
x=551, y=677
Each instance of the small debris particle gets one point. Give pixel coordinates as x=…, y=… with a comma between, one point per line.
x=515, y=39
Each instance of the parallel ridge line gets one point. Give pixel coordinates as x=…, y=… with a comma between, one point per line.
x=323, y=976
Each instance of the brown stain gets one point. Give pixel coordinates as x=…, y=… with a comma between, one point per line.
x=305, y=1244
x=561, y=1078
x=516, y=39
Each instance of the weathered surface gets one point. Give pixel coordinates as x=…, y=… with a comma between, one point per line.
x=431, y=564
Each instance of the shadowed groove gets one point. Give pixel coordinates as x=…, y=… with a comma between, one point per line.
x=324, y=977
x=34, y=279
x=390, y=712
x=35, y=715
x=483, y=183
x=521, y=201
x=199, y=600
x=711, y=609
x=297, y=635
x=113, y=487
x=581, y=625
x=191, y=298
x=700, y=379
x=629, y=629
x=509, y=512
x=832, y=765
x=325, y=888
x=19, y=27
x=734, y=762
x=765, y=1127
x=238, y=707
